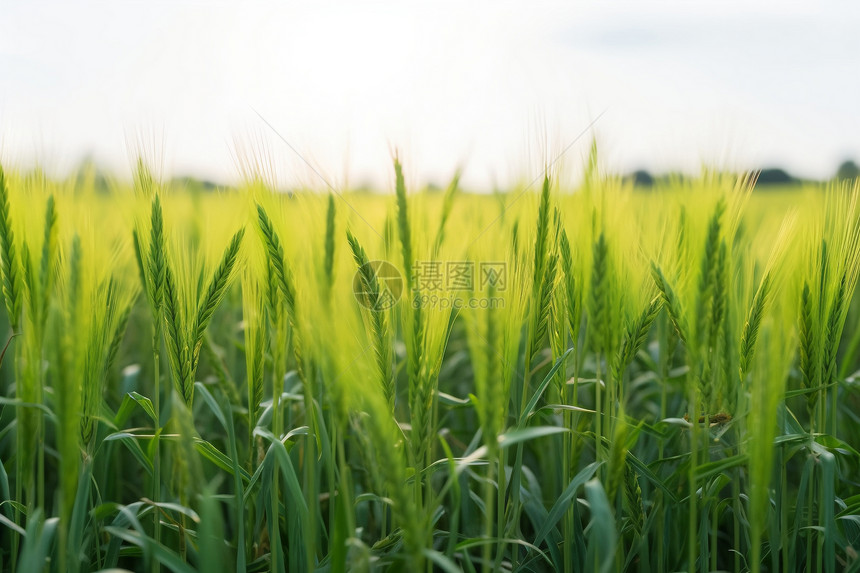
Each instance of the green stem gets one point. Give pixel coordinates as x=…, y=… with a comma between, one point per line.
x=40, y=450
x=20, y=444
x=330, y=474
x=19, y=478
x=664, y=399
x=277, y=429
x=598, y=413
x=566, y=455
x=311, y=495
x=736, y=503
x=500, y=508
x=155, y=492
x=694, y=454
x=516, y=470
x=783, y=513
x=714, y=541
x=810, y=524
x=488, y=510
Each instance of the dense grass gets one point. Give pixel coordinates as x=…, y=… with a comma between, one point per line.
x=662, y=381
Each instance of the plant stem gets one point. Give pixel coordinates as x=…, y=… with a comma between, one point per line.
x=694, y=454
x=155, y=492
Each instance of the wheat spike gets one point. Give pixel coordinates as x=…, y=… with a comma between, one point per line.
x=379, y=324
x=215, y=293
x=176, y=342
x=8, y=260
x=447, y=205
x=636, y=335
x=598, y=308
x=752, y=325
x=328, y=262
x=46, y=267
x=275, y=251
x=808, y=347
x=708, y=271
x=833, y=330
x=403, y=223
x=673, y=304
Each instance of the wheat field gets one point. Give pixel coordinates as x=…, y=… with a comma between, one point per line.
x=595, y=378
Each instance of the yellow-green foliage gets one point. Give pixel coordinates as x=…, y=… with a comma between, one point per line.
x=658, y=383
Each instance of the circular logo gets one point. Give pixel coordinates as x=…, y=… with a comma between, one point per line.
x=377, y=285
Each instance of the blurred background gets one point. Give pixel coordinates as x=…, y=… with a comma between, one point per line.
x=496, y=88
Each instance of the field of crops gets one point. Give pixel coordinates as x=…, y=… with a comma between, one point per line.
x=548, y=379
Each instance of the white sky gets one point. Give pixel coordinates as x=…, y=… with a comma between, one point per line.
x=487, y=85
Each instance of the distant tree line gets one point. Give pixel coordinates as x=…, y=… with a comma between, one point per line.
x=89, y=176
x=770, y=176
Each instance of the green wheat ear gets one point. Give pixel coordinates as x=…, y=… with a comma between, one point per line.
x=808, y=347
x=636, y=335
x=832, y=332
x=367, y=276
x=378, y=321
x=156, y=265
x=672, y=302
x=543, y=231
x=9, y=265
x=175, y=338
x=752, y=326
x=598, y=307
x=49, y=254
x=403, y=227
x=573, y=290
x=328, y=263
x=447, y=206
x=544, y=270
x=276, y=257
x=718, y=302
x=217, y=287
x=708, y=270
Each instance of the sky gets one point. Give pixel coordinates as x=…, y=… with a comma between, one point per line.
x=327, y=92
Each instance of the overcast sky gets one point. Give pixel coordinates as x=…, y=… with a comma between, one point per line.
x=494, y=87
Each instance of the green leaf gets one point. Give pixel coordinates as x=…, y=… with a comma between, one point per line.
x=218, y=457
x=226, y=420
x=601, y=532
x=709, y=469
x=563, y=502
x=480, y=541
x=441, y=561
x=130, y=442
x=527, y=412
x=210, y=535
x=516, y=436
x=146, y=404
x=646, y=472
x=160, y=552
x=37, y=542
x=77, y=522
